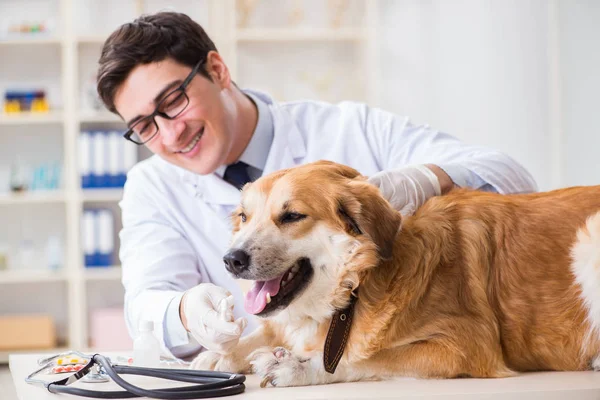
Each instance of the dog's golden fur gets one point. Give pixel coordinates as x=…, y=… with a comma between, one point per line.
x=474, y=284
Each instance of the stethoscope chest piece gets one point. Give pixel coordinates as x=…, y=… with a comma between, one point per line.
x=96, y=375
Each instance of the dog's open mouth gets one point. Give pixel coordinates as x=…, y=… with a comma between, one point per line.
x=266, y=296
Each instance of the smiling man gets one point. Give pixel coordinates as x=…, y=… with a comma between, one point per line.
x=164, y=76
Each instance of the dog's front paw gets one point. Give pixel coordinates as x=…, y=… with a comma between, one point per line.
x=213, y=361
x=279, y=367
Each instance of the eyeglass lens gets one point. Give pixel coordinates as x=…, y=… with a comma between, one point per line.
x=171, y=106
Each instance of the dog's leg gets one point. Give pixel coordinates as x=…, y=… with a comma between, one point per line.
x=237, y=359
x=440, y=358
x=280, y=367
x=427, y=359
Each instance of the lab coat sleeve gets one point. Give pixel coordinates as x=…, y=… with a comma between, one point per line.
x=158, y=264
x=399, y=143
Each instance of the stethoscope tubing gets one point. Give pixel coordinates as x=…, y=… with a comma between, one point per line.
x=211, y=383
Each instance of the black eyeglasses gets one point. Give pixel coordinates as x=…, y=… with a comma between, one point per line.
x=173, y=104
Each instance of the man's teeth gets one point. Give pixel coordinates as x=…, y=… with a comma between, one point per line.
x=192, y=144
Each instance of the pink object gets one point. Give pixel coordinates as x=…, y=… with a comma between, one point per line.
x=67, y=368
x=256, y=298
x=108, y=330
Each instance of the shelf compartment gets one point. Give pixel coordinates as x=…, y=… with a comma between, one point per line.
x=27, y=41
x=291, y=35
x=31, y=275
x=92, y=39
x=112, y=273
x=33, y=197
x=92, y=117
x=102, y=195
x=28, y=118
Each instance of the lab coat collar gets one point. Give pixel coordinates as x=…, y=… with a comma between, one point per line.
x=288, y=145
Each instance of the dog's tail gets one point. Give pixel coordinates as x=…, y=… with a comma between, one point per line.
x=586, y=269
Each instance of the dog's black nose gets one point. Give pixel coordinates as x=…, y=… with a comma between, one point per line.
x=236, y=261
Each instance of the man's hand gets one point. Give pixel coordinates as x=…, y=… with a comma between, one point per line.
x=408, y=188
x=206, y=311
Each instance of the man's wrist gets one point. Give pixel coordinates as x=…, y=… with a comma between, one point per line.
x=182, y=314
x=446, y=183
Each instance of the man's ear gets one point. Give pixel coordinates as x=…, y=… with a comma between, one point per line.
x=217, y=69
x=366, y=212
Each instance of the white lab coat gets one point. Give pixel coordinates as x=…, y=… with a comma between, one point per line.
x=176, y=225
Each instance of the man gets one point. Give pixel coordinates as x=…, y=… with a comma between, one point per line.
x=163, y=75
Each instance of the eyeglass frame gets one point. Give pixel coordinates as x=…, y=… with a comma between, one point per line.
x=127, y=135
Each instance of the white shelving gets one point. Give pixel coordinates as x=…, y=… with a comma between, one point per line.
x=37, y=197
x=52, y=117
x=98, y=117
x=75, y=50
x=36, y=40
x=32, y=275
x=112, y=273
x=297, y=35
x=102, y=195
x=91, y=39
x=258, y=46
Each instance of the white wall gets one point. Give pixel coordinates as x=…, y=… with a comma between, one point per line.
x=482, y=70
x=580, y=78
x=473, y=68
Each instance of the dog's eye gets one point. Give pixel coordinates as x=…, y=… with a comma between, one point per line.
x=291, y=217
x=242, y=216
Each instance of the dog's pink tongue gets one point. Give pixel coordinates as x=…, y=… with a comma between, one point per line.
x=256, y=298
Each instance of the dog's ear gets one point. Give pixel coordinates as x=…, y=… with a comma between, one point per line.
x=365, y=211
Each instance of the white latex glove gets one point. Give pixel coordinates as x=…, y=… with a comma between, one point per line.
x=407, y=188
x=208, y=310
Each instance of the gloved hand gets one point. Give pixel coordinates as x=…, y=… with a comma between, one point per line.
x=407, y=188
x=208, y=311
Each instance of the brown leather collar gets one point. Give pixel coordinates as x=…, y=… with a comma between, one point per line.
x=338, y=334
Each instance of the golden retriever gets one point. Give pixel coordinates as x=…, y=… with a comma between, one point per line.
x=474, y=284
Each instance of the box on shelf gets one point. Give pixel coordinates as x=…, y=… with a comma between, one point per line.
x=16, y=101
x=108, y=330
x=23, y=332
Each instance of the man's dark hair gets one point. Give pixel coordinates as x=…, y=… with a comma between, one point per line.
x=150, y=38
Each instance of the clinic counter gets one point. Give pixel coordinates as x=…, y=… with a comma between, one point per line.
x=546, y=385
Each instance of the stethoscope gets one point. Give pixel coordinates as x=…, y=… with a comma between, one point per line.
x=99, y=368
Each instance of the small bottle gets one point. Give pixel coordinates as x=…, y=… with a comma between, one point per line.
x=3, y=256
x=146, y=348
x=18, y=177
x=26, y=254
x=54, y=253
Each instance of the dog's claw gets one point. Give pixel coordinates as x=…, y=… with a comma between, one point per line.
x=279, y=367
x=266, y=380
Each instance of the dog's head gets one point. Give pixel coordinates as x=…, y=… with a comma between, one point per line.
x=306, y=235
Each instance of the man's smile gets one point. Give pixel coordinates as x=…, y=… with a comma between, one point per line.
x=192, y=144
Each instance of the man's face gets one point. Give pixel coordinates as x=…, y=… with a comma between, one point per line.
x=200, y=138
